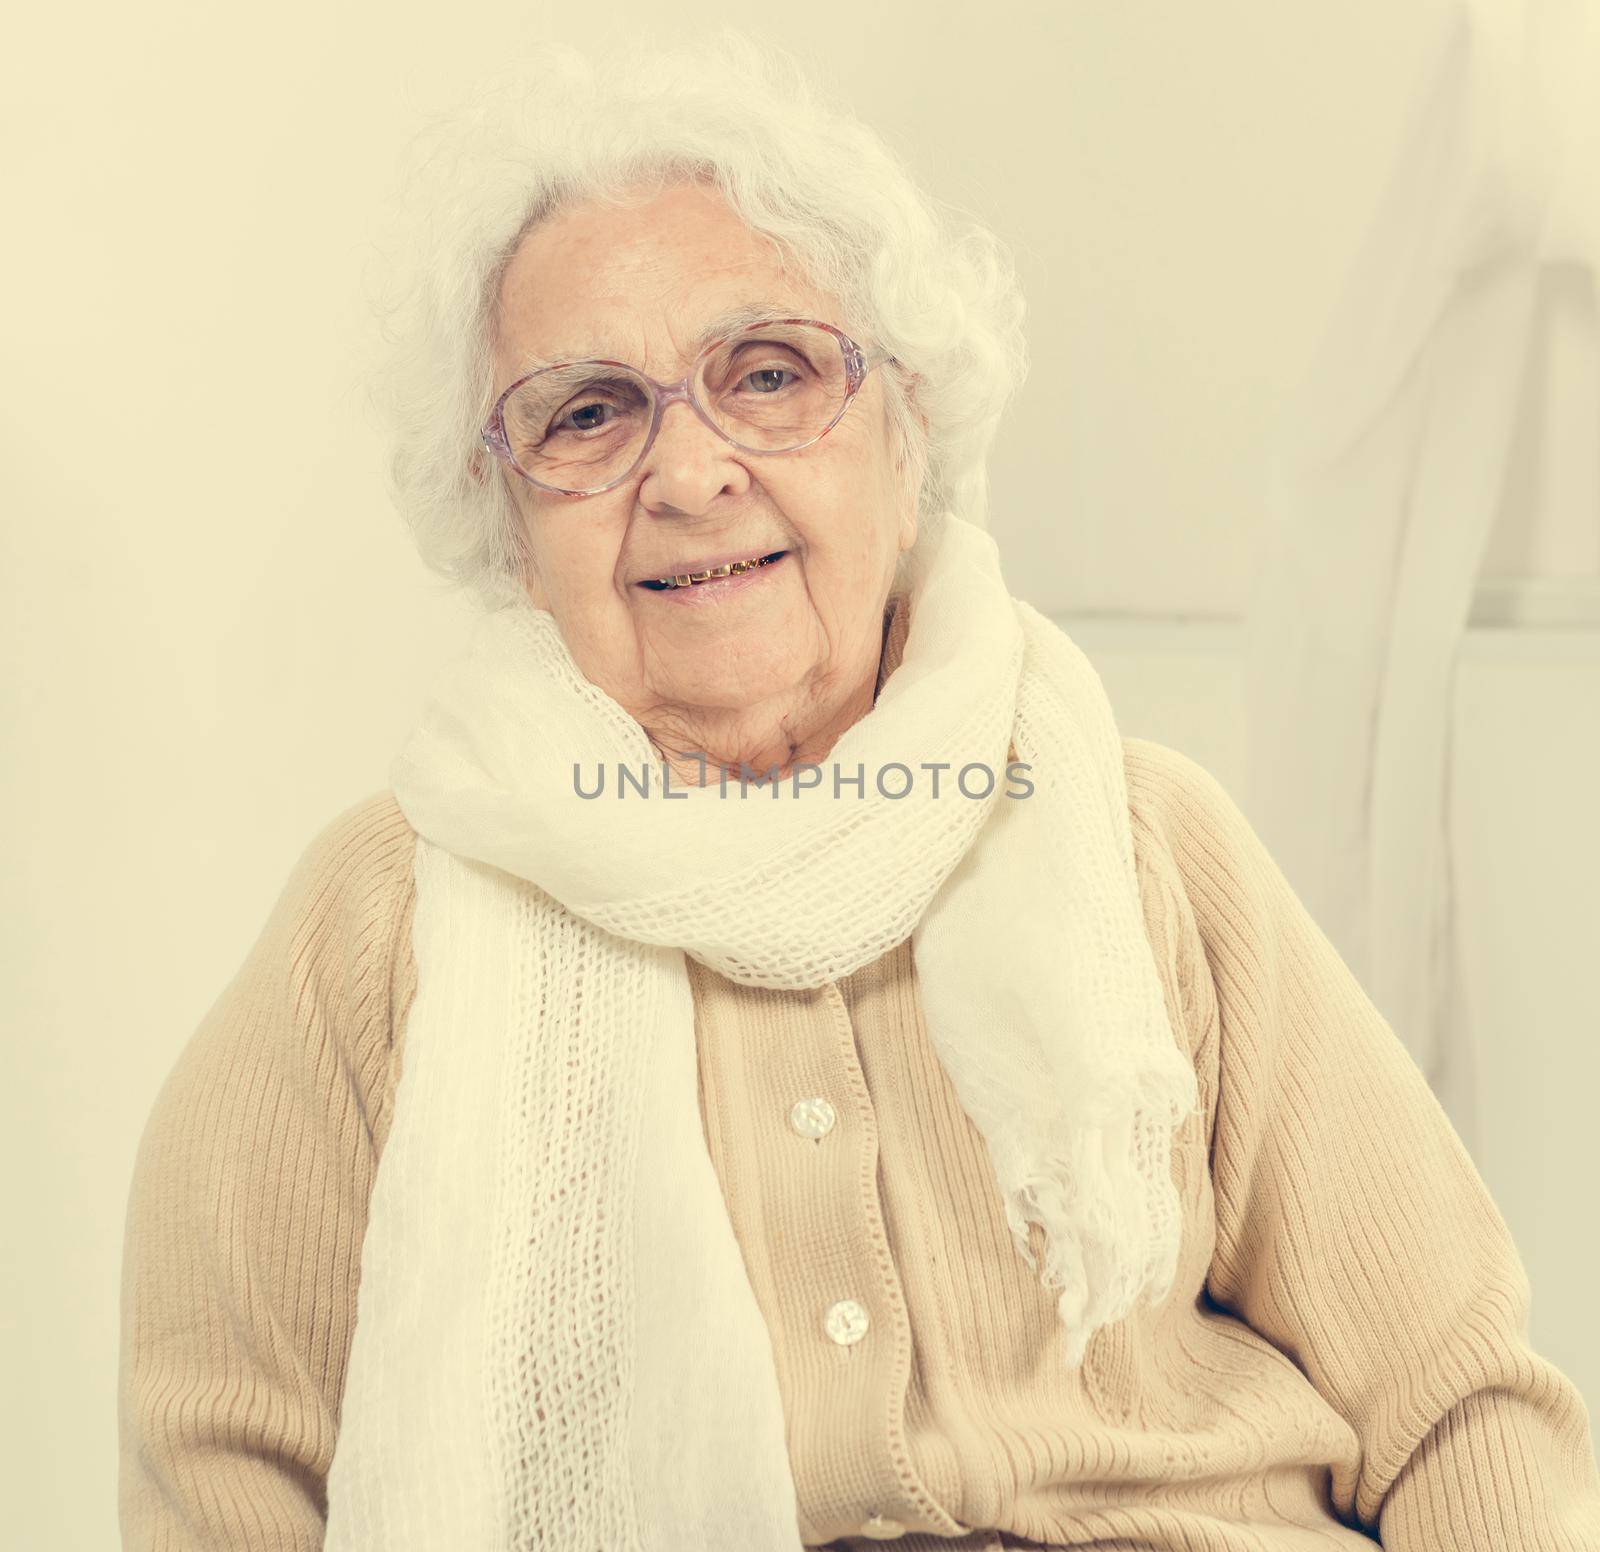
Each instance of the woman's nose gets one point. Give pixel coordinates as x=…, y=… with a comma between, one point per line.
x=689, y=464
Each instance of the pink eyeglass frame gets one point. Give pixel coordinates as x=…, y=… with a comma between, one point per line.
x=857, y=363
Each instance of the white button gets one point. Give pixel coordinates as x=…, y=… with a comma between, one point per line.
x=845, y=1322
x=812, y=1117
x=881, y=1528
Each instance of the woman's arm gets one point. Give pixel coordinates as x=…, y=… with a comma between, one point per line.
x=1355, y=1234
x=247, y=1209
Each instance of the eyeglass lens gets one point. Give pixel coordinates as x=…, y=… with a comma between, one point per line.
x=769, y=389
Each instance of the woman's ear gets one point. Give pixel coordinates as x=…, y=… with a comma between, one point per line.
x=534, y=588
x=908, y=527
x=913, y=466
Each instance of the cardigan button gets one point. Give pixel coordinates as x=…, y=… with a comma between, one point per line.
x=812, y=1117
x=881, y=1528
x=845, y=1322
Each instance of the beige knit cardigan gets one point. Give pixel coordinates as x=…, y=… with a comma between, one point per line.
x=1343, y=1358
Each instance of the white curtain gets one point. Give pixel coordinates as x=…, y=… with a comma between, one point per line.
x=1386, y=477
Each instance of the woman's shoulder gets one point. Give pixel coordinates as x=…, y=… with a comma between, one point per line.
x=1196, y=858
x=355, y=873
x=352, y=888
x=1185, y=820
x=1249, y=933
x=338, y=944
x=359, y=860
x=1183, y=816
x=1174, y=795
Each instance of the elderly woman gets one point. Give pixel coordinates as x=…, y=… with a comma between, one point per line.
x=776, y=1068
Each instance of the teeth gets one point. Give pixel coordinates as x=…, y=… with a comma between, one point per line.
x=732, y=568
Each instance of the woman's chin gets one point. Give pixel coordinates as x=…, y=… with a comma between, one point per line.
x=719, y=693
x=729, y=664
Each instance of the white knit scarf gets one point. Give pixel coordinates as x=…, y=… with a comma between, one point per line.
x=556, y=1341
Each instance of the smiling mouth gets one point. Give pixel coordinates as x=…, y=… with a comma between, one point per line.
x=695, y=578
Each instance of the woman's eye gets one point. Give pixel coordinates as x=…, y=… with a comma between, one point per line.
x=586, y=417
x=766, y=374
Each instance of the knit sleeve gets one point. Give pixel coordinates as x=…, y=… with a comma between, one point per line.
x=1355, y=1234
x=247, y=1208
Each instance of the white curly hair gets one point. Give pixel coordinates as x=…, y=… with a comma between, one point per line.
x=559, y=128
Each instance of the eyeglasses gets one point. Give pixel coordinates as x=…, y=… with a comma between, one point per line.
x=585, y=426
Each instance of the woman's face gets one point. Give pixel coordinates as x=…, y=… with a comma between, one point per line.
x=750, y=671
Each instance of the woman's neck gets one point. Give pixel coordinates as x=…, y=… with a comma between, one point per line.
x=706, y=746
